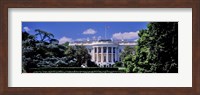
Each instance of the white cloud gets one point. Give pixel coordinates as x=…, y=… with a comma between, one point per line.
x=89, y=31
x=125, y=35
x=64, y=39
x=27, y=29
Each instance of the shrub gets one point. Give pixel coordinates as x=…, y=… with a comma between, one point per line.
x=118, y=64
x=91, y=64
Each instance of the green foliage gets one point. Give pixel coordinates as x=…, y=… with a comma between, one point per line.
x=157, y=49
x=59, y=71
x=127, y=51
x=118, y=64
x=40, y=53
x=28, y=53
x=127, y=60
x=79, y=55
x=66, y=44
x=43, y=35
x=91, y=64
x=46, y=52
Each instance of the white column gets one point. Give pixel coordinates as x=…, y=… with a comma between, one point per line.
x=111, y=54
x=101, y=54
x=97, y=55
x=106, y=54
x=116, y=54
x=92, y=53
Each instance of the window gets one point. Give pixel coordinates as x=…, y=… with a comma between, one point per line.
x=104, y=58
x=109, y=57
x=99, y=49
x=113, y=57
x=113, y=49
x=99, y=58
x=104, y=49
x=95, y=50
x=109, y=49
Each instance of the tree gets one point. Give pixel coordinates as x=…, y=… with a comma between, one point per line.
x=128, y=62
x=44, y=35
x=28, y=52
x=127, y=51
x=78, y=55
x=91, y=64
x=70, y=54
x=118, y=64
x=82, y=55
x=42, y=53
x=66, y=44
x=157, y=49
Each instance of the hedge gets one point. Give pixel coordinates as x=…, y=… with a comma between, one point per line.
x=78, y=72
x=72, y=69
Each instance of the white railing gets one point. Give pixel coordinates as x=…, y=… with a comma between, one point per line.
x=102, y=42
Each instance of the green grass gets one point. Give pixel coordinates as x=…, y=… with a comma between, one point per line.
x=122, y=69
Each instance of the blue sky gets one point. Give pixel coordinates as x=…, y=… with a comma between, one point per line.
x=80, y=31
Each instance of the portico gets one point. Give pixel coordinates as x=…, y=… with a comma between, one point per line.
x=104, y=55
x=104, y=52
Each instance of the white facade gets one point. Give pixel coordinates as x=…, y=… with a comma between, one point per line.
x=104, y=52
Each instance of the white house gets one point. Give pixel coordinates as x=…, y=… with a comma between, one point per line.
x=104, y=52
